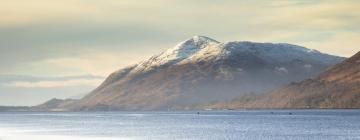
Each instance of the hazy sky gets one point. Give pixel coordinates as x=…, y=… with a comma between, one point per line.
x=64, y=38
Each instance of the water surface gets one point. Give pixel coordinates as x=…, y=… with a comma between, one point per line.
x=187, y=125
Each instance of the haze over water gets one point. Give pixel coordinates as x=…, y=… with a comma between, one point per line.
x=208, y=125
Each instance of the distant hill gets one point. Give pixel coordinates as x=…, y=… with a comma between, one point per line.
x=15, y=108
x=337, y=87
x=56, y=105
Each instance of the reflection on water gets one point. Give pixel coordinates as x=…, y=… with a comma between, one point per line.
x=208, y=125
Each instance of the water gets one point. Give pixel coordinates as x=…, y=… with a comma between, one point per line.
x=208, y=125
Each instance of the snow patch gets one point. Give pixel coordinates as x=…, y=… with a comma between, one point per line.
x=281, y=70
x=200, y=48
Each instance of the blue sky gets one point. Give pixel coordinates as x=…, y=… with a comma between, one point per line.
x=69, y=38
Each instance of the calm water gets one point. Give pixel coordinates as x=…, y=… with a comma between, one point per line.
x=209, y=125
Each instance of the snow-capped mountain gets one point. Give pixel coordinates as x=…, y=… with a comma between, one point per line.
x=202, y=70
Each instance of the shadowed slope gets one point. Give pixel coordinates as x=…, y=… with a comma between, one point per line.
x=337, y=87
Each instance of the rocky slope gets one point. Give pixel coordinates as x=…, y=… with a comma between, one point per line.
x=337, y=87
x=201, y=70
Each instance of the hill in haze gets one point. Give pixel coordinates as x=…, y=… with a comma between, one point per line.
x=337, y=87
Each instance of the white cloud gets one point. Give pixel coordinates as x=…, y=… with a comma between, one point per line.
x=342, y=43
x=53, y=84
x=25, y=90
x=96, y=62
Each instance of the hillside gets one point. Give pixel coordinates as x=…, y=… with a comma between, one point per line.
x=337, y=87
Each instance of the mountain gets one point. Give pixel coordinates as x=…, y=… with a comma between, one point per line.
x=56, y=105
x=337, y=87
x=201, y=70
x=15, y=108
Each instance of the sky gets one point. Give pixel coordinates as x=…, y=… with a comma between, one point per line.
x=72, y=45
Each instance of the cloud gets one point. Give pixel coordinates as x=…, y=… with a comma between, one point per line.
x=42, y=37
x=33, y=44
x=341, y=43
x=33, y=90
x=97, y=63
x=318, y=16
x=52, y=84
x=21, y=81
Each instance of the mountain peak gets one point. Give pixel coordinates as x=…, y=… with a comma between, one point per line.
x=189, y=47
x=195, y=42
x=200, y=39
x=178, y=53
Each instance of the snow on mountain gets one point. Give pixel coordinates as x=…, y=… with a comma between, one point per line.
x=200, y=48
x=180, y=52
x=278, y=52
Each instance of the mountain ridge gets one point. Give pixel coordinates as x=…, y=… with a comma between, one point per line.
x=202, y=70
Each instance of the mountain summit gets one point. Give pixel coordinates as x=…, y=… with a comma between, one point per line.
x=180, y=52
x=201, y=70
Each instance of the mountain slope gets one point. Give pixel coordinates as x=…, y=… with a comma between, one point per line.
x=337, y=87
x=55, y=105
x=202, y=70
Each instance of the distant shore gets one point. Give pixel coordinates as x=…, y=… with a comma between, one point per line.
x=34, y=109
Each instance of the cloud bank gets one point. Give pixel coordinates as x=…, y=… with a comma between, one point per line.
x=30, y=90
x=52, y=84
x=52, y=33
